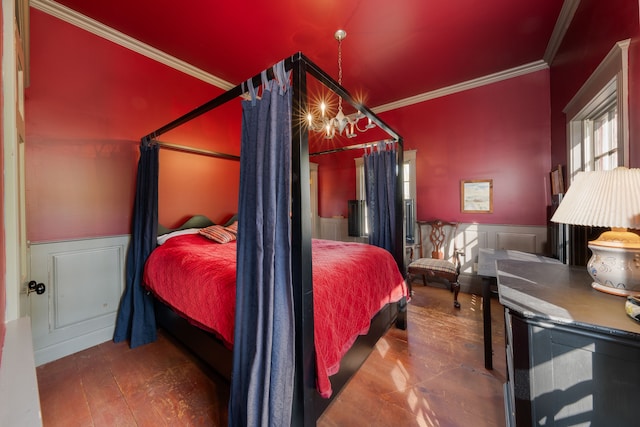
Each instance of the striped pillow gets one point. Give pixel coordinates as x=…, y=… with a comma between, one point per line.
x=233, y=228
x=218, y=234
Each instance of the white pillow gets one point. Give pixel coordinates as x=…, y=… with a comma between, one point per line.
x=164, y=237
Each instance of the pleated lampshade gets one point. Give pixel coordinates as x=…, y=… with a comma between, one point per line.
x=602, y=199
x=608, y=199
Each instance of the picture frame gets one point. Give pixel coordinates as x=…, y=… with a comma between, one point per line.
x=476, y=196
x=557, y=182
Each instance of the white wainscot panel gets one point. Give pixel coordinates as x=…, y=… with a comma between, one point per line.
x=338, y=229
x=472, y=237
x=86, y=285
x=84, y=281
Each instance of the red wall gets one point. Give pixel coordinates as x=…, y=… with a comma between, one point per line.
x=512, y=131
x=336, y=182
x=499, y=131
x=596, y=27
x=89, y=103
x=191, y=184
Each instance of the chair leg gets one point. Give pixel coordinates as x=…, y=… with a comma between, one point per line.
x=409, y=283
x=455, y=287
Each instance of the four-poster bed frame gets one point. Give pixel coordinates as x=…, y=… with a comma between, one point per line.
x=307, y=404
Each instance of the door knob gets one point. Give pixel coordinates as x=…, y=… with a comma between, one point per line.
x=38, y=288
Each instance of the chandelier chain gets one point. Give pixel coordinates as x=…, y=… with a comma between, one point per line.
x=340, y=71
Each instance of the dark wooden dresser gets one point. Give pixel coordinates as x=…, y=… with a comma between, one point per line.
x=573, y=355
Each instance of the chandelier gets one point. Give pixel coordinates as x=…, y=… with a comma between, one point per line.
x=330, y=126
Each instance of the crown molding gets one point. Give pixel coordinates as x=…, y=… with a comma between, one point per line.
x=81, y=21
x=613, y=64
x=567, y=12
x=459, y=87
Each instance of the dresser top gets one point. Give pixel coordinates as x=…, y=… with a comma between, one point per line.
x=562, y=294
x=487, y=258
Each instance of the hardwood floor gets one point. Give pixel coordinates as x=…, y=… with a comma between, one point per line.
x=432, y=374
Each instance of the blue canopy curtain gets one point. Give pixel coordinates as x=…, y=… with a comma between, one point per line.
x=263, y=362
x=380, y=172
x=136, y=320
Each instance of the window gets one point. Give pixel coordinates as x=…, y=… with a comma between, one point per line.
x=408, y=184
x=594, y=141
x=597, y=117
x=361, y=190
x=406, y=180
x=409, y=194
x=598, y=137
x=603, y=131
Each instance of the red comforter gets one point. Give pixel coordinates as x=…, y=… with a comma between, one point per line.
x=351, y=283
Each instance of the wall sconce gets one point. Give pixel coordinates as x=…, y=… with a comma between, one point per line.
x=608, y=199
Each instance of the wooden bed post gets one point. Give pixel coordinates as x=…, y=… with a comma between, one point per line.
x=303, y=413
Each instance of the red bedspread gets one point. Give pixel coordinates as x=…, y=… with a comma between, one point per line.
x=351, y=283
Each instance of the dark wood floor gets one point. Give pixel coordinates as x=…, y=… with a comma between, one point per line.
x=432, y=374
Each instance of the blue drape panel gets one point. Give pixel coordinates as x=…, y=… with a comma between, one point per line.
x=263, y=358
x=136, y=320
x=380, y=172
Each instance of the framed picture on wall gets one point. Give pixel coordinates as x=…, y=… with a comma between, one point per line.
x=476, y=196
x=557, y=182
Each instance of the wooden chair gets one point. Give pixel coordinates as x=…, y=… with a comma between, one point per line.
x=442, y=238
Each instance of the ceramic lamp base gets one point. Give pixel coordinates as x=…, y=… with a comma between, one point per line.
x=615, y=269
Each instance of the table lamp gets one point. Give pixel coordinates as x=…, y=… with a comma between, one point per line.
x=608, y=199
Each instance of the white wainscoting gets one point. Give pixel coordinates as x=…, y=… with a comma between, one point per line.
x=84, y=281
x=336, y=229
x=470, y=237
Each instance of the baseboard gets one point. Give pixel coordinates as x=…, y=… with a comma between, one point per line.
x=18, y=383
x=65, y=348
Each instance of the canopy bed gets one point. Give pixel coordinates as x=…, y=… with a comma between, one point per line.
x=275, y=261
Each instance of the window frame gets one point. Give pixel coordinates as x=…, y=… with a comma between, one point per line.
x=606, y=85
x=409, y=158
